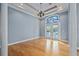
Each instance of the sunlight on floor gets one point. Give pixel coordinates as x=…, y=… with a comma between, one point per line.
x=55, y=46
x=52, y=45
x=48, y=44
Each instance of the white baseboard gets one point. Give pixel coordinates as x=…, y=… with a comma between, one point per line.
x=63, y=40
x=32, y=39
x=67, y=41
x=43, y=37
x=23, y=41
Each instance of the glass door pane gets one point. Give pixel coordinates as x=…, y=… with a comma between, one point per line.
x=55, y=32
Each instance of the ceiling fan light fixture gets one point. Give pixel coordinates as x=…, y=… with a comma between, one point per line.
x=41, y=14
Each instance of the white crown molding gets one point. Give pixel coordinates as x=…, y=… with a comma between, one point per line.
x=27, y=4
x=21, y=10
x=31, y=10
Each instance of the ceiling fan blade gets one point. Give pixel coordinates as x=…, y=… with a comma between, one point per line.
x=31, y=7
x=51, y=12
x=50, y=8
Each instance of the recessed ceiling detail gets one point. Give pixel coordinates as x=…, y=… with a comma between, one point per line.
x=42, y=9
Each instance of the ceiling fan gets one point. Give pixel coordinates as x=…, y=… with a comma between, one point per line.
x=40, y=12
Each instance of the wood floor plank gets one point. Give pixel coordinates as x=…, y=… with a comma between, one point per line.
x=39, y=47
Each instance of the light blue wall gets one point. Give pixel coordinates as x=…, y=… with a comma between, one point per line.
x=42, y=28
x=21, y=26
x=64, y=25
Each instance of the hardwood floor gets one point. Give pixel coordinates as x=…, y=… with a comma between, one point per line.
x=39, y=47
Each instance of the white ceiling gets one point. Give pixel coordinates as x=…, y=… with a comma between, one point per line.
x=33, y=8
x=44, y=6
